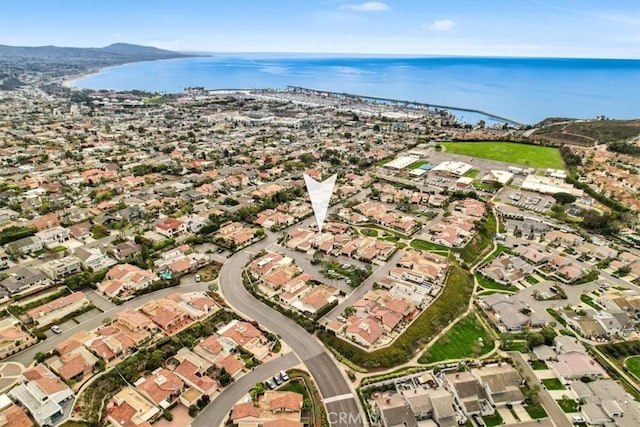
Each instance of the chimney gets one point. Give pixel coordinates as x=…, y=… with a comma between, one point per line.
x=388, y=400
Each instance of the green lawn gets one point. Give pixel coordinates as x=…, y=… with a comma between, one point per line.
x=536, y=411
x=500, y=248
x=493, y=420
x=520, y=346
x=532, y=280
x=461, y=341
x=510, y=152
x=418, y=164
x=294, y=386
x=490, y=284
x=428, y=246
x=568, y=405
x=472, y=173
x=490, y=292
x=633, y=365
x=369, y=232
x=553, y=384
x=539, y=365
x=589, y=301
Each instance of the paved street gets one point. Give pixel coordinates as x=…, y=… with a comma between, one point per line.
x=327, y=375
x=216, y=412
x=550, y=405
x=365, y=287
x=26, y=356
x=303, y=261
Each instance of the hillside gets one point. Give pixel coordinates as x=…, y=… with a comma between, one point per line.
x=53, y=61
x=114, y=52
x=586, y=132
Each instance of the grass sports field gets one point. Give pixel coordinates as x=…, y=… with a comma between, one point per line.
x=510, y=152
x=633, y=364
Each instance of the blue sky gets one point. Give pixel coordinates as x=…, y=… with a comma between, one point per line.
x=555, y=28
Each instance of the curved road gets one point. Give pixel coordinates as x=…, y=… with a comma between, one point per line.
x=215, y=413
x=339, y=399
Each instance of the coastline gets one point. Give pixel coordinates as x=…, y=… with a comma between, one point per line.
x=69, y=80
x=432, y=84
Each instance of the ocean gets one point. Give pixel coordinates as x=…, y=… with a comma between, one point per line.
x=523, y=89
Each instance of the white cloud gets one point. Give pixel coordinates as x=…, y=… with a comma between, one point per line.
x=442, y=25
x=370, y=6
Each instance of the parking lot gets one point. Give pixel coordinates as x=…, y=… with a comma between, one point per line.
x=527, y=199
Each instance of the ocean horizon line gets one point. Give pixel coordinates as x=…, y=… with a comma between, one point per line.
x=400, y=55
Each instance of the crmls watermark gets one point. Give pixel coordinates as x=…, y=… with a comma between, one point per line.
x=345, y=419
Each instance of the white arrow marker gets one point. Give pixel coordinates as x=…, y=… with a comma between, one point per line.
x=320, y=195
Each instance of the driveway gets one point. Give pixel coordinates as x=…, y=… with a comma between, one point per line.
x=364, y=287
x=550, y=405
x=26, y=356
x=330, y=380
x=215, y=413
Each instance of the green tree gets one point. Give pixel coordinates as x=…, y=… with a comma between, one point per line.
x=224, y=378
x=535, y=339
x=564, y=198
x=549, y=335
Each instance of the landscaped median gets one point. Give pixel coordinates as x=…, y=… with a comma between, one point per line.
x=452, y=302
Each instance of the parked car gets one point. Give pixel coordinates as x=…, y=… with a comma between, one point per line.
x=198, y=278
x=277, y=380
x=270, y=384
x=56, y=329
x=284, y=376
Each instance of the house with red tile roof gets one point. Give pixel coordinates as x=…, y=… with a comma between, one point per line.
x=245, y=413
x=197, y=304
x=282, y=403
x=14, y=416
x=364, y=331
x=170, y=227
x=135, y=320
x=13, y=338
x=47, y=313
x=126, y=279
x=247, y=336
x=128, y=408
x=162, y=387
x=74, y=364
x=168, y=315
x=41, y=392
x=194, y=377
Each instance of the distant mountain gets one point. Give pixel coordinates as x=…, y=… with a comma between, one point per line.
x=47, y=62
x=114, y=52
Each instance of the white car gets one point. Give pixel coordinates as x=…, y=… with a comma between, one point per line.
x=56, y=329
x=198, y=278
